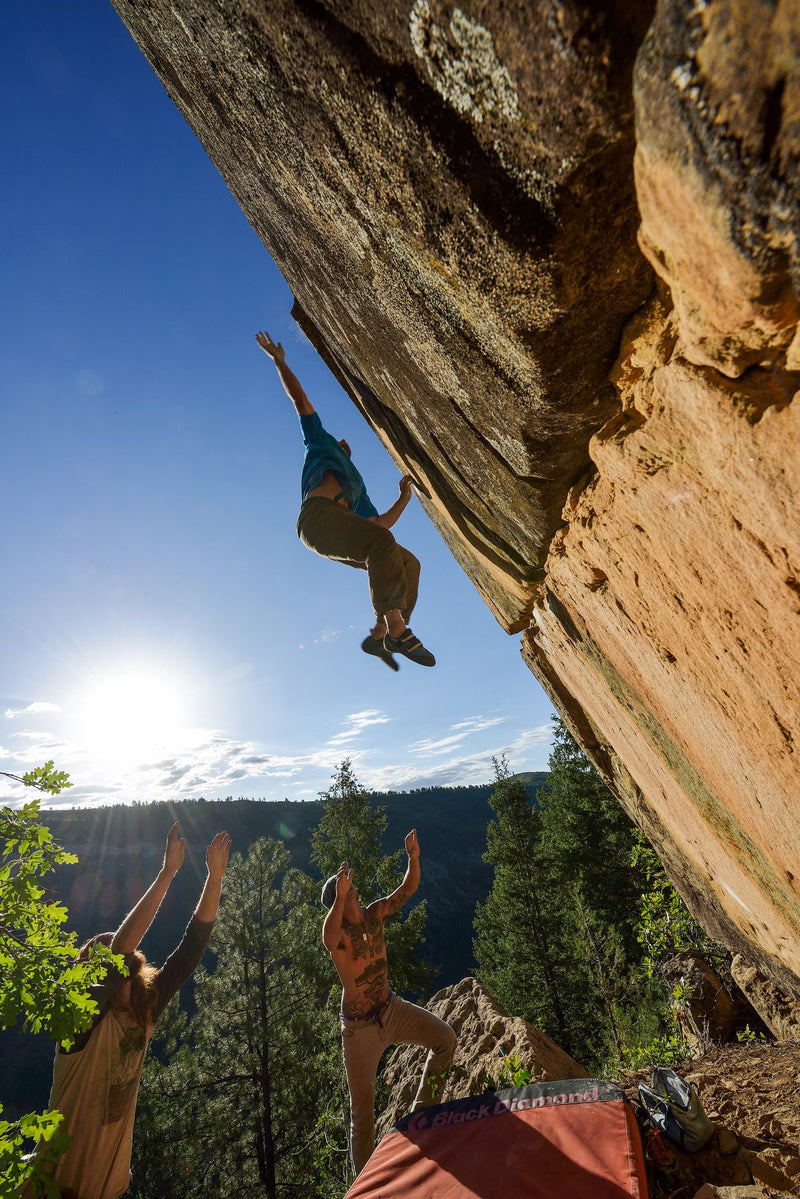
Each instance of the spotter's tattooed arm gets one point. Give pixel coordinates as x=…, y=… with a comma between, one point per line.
x=332, y=927
x=393, y=903
x=353, y=937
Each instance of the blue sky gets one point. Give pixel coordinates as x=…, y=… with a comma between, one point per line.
x=163, y=633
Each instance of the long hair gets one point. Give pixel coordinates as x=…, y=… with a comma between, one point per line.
x=143, y=998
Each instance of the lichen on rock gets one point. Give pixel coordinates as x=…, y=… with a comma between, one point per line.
x=462, y=64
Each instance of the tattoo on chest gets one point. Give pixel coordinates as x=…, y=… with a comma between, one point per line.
x=366, y=937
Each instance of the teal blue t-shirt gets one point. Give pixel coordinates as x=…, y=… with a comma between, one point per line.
x=323, y=452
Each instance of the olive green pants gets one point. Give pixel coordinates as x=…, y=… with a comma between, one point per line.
x=335, y=532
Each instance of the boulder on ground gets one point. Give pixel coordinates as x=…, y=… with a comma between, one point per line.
x=780, y=1013
x=705, y=1009
x=483, y=1030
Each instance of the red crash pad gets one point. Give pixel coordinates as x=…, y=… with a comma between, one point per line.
x=576, y=1139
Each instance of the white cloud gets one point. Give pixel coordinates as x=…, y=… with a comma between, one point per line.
x=216, y=764
x=37, y=747
x=359, y=721
x=458, y=770
x=430, y=747
x=541, y=734
x=34, y=709
x=476, y=724
x=206, y=761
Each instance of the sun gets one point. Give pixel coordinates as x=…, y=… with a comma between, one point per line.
x=130, y=713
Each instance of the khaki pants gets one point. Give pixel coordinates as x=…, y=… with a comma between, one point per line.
x=335, y=532
x=401, y=1023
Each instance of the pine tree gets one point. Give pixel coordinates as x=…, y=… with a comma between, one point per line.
x=350, y=830
x=556, y=941
x=595, y=889
x=587, y=838
x=514, y=938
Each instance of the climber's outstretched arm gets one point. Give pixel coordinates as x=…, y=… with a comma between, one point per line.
x=391, y=516
x=291, y=383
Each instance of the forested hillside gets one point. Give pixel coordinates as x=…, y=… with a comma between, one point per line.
x=120, y=849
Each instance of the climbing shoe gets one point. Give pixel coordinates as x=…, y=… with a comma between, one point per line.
x=410, y=646
x=374, y=646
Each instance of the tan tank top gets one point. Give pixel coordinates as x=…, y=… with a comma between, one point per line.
x=96, y=1090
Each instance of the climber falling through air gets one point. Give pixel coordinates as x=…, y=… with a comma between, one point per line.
x=339, y=521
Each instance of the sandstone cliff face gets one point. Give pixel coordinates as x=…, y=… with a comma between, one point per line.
x=669, y=623
x=606, y=426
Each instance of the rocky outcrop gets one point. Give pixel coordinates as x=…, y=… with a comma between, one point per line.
x=669, y=626
x=486, y=1038
x=780, y=1014
x=706, y=1011
x=451, y=192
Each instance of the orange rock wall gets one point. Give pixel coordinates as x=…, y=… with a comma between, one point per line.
x=669, y=624
x=671, y=615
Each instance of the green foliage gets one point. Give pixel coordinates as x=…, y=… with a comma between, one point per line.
x=587, y=838
x=331, y=1169
x=44, y=778
x=47, y=778
x=666, y=1049
x=512, y=1073
x=514, y=949
x=746, y=1036
x=42, y=986
x=666, y=926
x=15, y=1171
x=557, y=941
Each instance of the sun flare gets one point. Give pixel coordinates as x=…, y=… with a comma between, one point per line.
x=130, y=714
